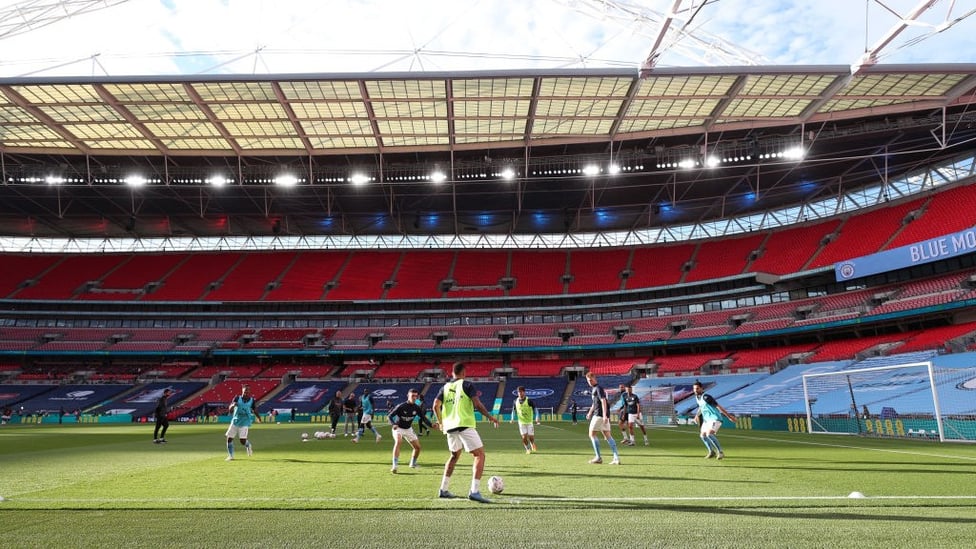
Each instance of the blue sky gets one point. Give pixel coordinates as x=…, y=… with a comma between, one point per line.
x=171, y=37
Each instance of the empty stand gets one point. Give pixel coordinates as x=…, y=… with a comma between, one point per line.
x=134, y=276
x=723, y=257
x=597, y=270
x=251, y=277
x=306, y=278
x=540, y=367
x=750, y=359
x=538, y=272
x=22, y=270
x=72, y=275
x=685, y=364
x=364, y=275
x=788, y=250
x=193, y=278
x=947, y=212
x=848, y=349
x=658, y=265
x=420, y=273
x=865, y=233
x=478, y=273
x=937, y=338
x=612, y=366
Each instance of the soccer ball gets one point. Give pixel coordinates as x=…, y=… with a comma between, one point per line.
x=496, y=485
x=304, y=437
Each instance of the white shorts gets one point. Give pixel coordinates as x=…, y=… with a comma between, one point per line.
x=709, y=427
x=599, y=424
x=366, y=419
x=527, y=429
x=406, y=434
x=236, y=432
x=634, y=419
x=469, y=439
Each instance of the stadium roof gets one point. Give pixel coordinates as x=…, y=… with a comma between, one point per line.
x=313, y=115
x=589, y=150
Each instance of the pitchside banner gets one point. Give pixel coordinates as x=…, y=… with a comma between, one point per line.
x=927, y=251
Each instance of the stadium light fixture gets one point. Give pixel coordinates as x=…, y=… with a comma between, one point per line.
x=508, y=174
x=286, y=180
x=591, y=169
x=613, y=169
x=54, y=180
x=359, y=179
x=135, y=180
x=438, y=177
x=217, y=181
x=793, y=153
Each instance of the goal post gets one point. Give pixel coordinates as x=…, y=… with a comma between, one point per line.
x=912, y=400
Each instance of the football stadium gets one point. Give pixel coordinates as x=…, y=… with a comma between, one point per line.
x=215, y=275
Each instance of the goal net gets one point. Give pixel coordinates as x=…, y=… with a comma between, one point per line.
x=657, y=406
x=915, y=400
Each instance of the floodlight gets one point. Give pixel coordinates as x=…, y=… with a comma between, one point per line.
x=286, y=180
x=793, y=153
x=217, y=181
x=135, y=180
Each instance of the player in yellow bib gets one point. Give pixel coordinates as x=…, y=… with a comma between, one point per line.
x=454, y=407
x=528, y=417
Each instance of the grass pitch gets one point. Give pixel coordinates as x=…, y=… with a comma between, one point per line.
x=109, y=486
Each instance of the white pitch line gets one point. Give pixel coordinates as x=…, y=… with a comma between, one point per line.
x=849, y=446
x=499, y=499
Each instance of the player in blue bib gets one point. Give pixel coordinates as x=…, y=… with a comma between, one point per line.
x=243, y=412
x=366, y=422
x=709, y=416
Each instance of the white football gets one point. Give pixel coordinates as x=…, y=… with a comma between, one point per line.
x=496, y=485
x=304, y=436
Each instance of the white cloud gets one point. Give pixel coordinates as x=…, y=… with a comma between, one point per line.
x=142, y=37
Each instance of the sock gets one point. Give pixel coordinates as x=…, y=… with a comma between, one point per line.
x=475, y=485
x=230, y=449
x=613, y=446
x=247, y=444
x=396, y=461
x=413, y=461
x=708, y=443
x=596, y=445
x=375, y=432
x=714, y=441
x=445, y=483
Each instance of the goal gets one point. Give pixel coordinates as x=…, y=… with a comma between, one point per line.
x=914, y=400
x=657, y=405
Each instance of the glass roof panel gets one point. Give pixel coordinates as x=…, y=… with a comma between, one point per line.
x=149, y=92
